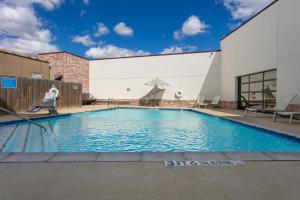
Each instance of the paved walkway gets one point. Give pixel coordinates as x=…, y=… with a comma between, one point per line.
x=149, y=180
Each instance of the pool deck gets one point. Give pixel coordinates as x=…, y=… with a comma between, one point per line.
x=131, y=176
x=149, y=180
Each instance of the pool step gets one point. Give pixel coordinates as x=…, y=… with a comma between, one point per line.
x=17, y=141
x=22, y=138
x=35, y=140
x=6, y=132
x=49, y=137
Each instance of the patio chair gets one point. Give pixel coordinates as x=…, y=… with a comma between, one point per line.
x=215, y=102
x=291, y=115
x=49, y=102
x=282, y=103
x=200, y=102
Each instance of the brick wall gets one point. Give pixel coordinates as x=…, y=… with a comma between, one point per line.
x=171, y=103
x=73, y=68
x=231, y=105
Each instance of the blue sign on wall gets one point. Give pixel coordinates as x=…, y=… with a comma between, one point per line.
x=8, y=83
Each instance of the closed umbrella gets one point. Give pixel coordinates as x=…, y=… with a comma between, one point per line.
x=157, y=82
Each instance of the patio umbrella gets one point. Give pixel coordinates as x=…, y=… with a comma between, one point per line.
x=157, y=82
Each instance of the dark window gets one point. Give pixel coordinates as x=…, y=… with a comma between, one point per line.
x=257, y=90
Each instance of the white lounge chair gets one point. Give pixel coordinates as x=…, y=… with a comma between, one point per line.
x=215, y=101
x=282, y=103
x=200, y=102
x=49, y=102
x=291, y=115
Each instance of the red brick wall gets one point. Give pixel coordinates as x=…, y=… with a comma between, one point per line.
x=231, y=105
x=294, y=108
x=71, y=67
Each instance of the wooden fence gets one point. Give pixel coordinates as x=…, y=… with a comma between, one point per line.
x=30, y=92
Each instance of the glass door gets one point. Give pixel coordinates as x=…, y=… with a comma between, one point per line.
x=257, y=90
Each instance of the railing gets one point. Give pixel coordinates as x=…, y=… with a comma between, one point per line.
x=114, y=102
x=24, y=118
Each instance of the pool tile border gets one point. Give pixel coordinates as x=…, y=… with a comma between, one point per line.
x=145, y=157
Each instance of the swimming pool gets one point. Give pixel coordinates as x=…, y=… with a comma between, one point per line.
x=141, y=130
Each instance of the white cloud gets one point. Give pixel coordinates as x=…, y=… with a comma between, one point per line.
x=29, y=47
x=22, y=30
x=111, y=51
x=85, y=40
x=86, y=2
x=48, y=4
x=179, y=49
x=243, y=9
x=101, y=29
x=191, y=27
x=122, y=29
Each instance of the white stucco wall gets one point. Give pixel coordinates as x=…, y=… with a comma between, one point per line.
x=289, y=48
x=268, y=41
x=190, y=73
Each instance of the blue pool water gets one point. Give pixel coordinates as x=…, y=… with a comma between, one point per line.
x=142, y=130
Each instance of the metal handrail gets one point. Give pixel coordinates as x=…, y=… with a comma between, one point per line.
x=24, y=118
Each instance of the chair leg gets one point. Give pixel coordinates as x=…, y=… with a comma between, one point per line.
x=274, y=117
x=245, y=114
x=291, y=119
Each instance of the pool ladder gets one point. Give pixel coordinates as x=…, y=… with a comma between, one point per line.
x=24, y=118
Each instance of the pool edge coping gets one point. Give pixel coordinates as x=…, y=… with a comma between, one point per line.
x=146, y=157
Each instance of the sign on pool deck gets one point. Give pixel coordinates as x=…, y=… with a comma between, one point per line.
x=8, y=83
x=203, y=163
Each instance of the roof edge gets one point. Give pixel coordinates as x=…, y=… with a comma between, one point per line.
x=67, y=52
x=248, y=20
x=22, y=56
x=155, y=55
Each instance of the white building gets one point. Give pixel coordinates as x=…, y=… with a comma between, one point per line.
x=268, y=41
x=125, y=78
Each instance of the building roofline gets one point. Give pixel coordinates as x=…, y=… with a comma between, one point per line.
x=251, y=18
x=22, y=56
x=151, y=55
x=155, y=55
x=67, y=52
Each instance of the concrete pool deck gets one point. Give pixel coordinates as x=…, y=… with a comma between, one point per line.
x=149, y=180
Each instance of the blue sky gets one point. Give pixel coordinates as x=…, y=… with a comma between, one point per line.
x=111, y=28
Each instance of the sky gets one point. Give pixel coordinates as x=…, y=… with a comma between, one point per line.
x=117, y=28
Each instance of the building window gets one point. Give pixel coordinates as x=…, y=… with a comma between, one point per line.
x=257, y=90
x=37, y=76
